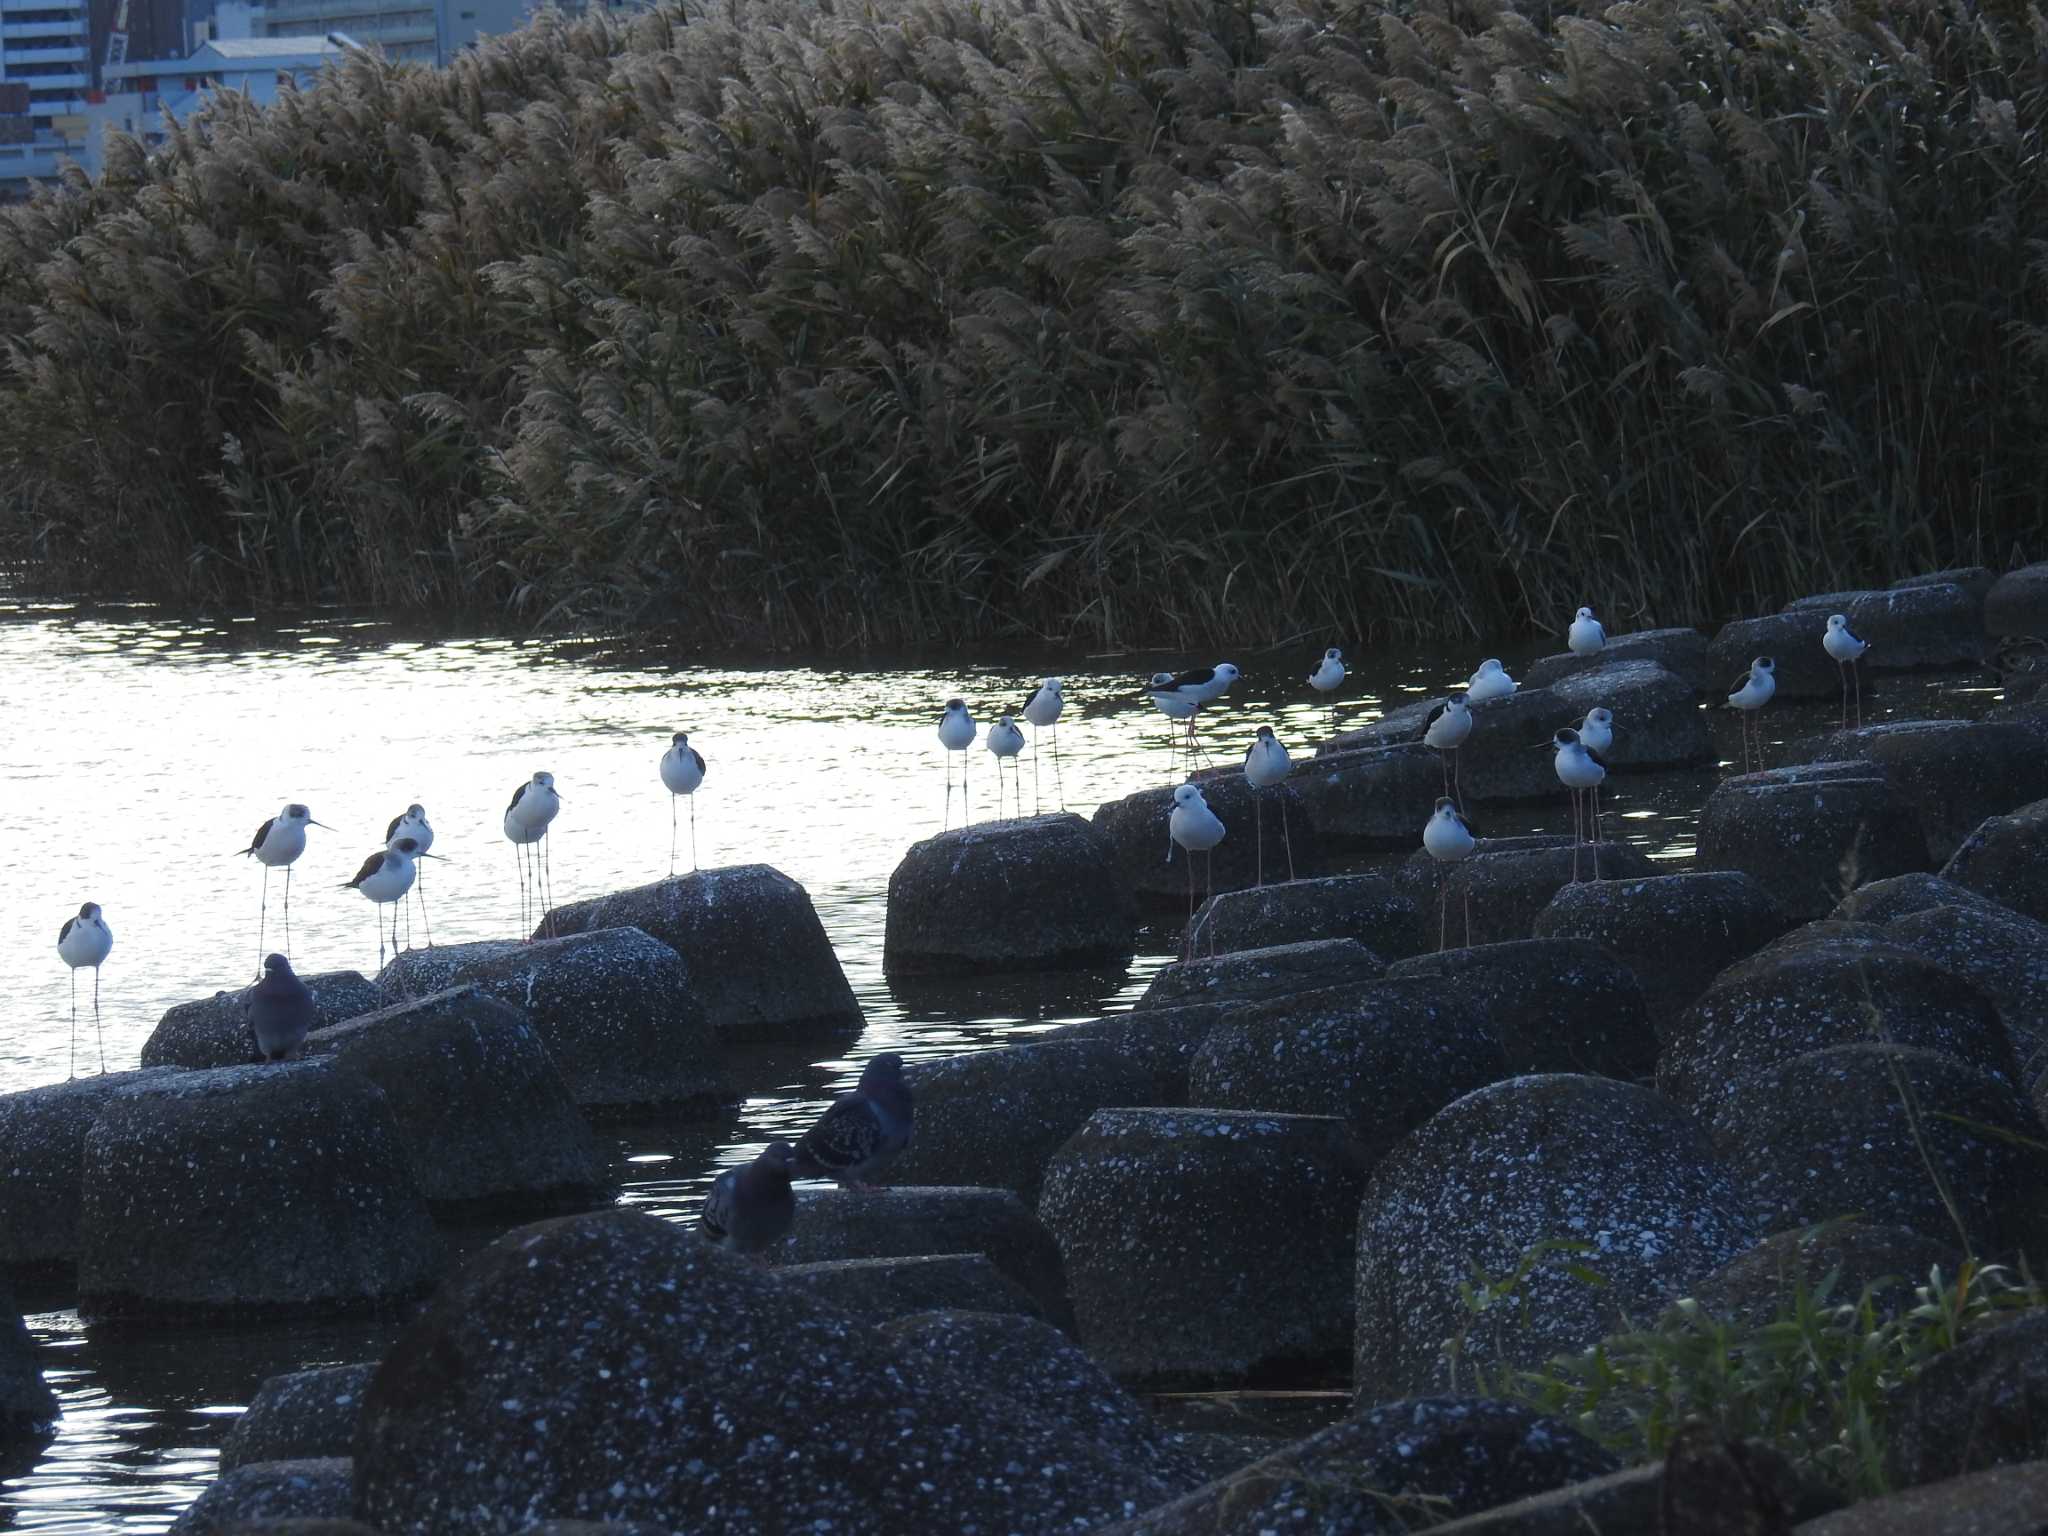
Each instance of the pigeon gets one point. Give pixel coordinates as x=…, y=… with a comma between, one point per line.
x=279, y=1009
x=863, y=1131
x=750, y=1208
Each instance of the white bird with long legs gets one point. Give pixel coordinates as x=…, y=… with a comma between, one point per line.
x=1197, y=829
x=1448, y=838
x=1195, y=687
x=1042, y=713
x=279, y=842
x=956, y=734
x=414, y=824
x=384, y=879
x=1005, y=741
x=1840, y=642
x=682, y=771
x=85, y=940
x=1748, y=694
x=534, y=806
x=1448, y=727
x=1266, y=764
x=1581, y=772
x=1327, y=678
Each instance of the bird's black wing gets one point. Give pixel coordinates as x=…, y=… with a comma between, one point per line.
x=697, y=758
x=517, y=795
x=1459, y=817
x=65, y=932
x=392, y=830
x=371, y=865
x=1741, y=682
x=1195, y=677
x=261, y=833
x=1595, y=756
x=1435, y=714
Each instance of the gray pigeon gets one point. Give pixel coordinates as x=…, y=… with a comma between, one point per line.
x=279, y=1009
x=749, y=1208
x=864, y=1131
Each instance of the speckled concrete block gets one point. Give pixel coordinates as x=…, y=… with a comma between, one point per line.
x=1682, y=652
x=1371, y=798
x=615, y=1008
x=1982, y=1404
x=28, y=1408
x=1246, y=975
x=1977, y=580
x=994, y=1117
x=1883, y=900
x=1760, y=1285
x=1042, y=894
x=1931, y=624
x=482, y=1109
x=930, y=1219
x=1155, y=869
x=1676, y=932
x=299, y=1416
x=613, y=1367
x=760, y=964
x=1885, y=1132
x=1367, y=908
x=42, y=1153
x=1450, y=1455
x=1835, y=991
x=1208, y=1248
x=1527, y=1161
x=2006, y=859
x=2004, y=1501
x=1554, y=1005
x=2017, y=603
x=1157, y=1044
x=1792, y=640
x=245, y=1191
x=2002, y=953
x=1382, y=1057
x=1506, y=882
x=1808, y=837
x=1657, y=719
x=268, y=1490
x=1956, y=772
x=214, y=1031
x=881, y=1289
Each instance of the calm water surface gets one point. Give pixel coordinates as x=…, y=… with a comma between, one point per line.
x=145, y=748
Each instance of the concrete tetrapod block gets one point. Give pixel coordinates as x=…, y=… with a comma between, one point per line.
x=1377, y=797
x=1246, y=975
x=1926, y=625
x=615, y=1008
x=1759, y=1286
x=1792, y=641
x=1158, y=1044
x=1657, y=719
x=1787, y=1001
x=1208, y=1248
x=2002, y=953
x=42, y=1150
x=914, y=1220
x=1554, y=1005
x=1957, y=772
x=1506, y=882
x=2017, y=603
x=1895, y=1134
x=483, y=1111
x=1042, y=894
x=265, y=1491
x=882, y=1289
x=1676, y=932
x=760, y=964
x=2006, y=860
x=1682, y=652
x=1529, y=1161
x=214, y=1031
x=1982, y=1404
x=1367, y=908
x=661, y=1368
x=299, y=1416
x=1808, y=839
x=249, y=1191
x=1155, y=869
x=2004, y=1501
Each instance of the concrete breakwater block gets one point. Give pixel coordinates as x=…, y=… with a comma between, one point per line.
x=1158, y=1044
x=1886, y=1261
x=1676, y=932
x=1792, y=641
x=1896, y=1134
x=1928, y=625
x=616, y=1009
x=1810, y=834
x=269, y=1491
x=1043, y=894
x=661, y=1367
x=1506, y=882
x=1682, y=652
x=1155, y=868
x=1552, y=1005
x=1957, y=772
x=1977, y=580
x=760, y=964
x=1208, y=1248
x=1788, y=1001
x=299, y=1416
x=479, y=1103
x=42, y=1148
x=994, y=1117
x=249, y=1190
x=1982, y=1404
x=214, y=1031
x=882, y=1289
x=1382, y=1058
x=1450, y=1455
x=1245, y=975
x=2005, y=859
x=1657, y=719
x=2001, y=953
x=914, y=1220
x=1377, y=797
x=28, y=1408
x=1883, y=900
x=2017, y=603
x=1600, y=1163
x=1367, y=908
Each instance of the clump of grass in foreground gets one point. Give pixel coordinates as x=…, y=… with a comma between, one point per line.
x=1815, y=1380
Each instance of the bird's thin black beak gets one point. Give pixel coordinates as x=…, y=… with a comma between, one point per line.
x=312, y=823
x=433, y=856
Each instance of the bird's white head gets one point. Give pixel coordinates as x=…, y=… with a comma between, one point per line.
x=1004, y=722
x=1050, y=684
x=1161, y=679
x=1333, y=654
x=1456, y=705
x=409, y=847
x=1583, y=613
x=1491, y=664
x=680, y=739
x=415, y=812
x=1599, y=717
x=89, y=911
x=1187, y=795
x=1763, y=664
x=1838, y=621
x=1226, y=673
x=1446, y=806
x=543, y=781
x=953, y=704
x=297, y=812
x=1565, y=738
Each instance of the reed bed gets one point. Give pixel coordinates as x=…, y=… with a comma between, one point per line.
x=844, y=322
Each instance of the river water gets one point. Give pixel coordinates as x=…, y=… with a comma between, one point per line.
x=143, y=748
